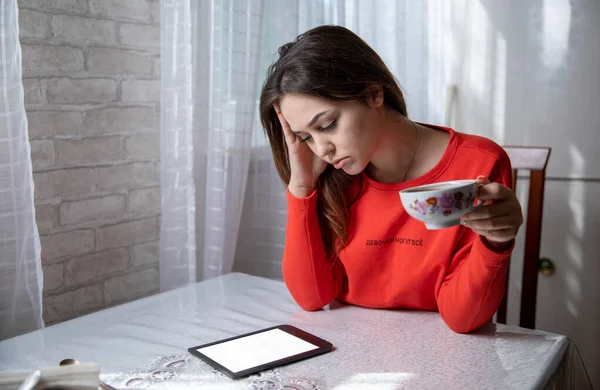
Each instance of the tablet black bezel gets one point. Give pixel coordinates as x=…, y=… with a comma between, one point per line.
x=322, y=347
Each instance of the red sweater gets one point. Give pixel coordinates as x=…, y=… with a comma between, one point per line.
x=391, y=260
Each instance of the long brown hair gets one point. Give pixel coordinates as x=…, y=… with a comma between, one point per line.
x=328, y=62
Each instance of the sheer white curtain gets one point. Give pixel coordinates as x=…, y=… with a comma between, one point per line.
x=209, y=73
x=20, y=264
x=215, y=55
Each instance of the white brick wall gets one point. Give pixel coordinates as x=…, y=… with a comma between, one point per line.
x=138, y=10
x=33, y=91
x=123, y=177
x=139, y=90
x=120, y=120
x=45, y=215
x=66, y=6
x=51, y=124
x=139, y=35
x=145, y=255
x=95, y=209
x=82, y=270
x=42, y=151
x=34, y=24
x=134, y=285
x=83, y=30
x=118, y=61
x=92, y=94
x=38, y=58
x=128, y=233
x=143, y=146
x=145, y=201
x=78, y=91
x=53, y=276
x=67, y=244
x=72, y=303
x=61, y=183
x=89, y=150
x=155, y=11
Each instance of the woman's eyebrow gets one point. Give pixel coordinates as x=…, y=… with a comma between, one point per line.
x=315, y=118
x=312, y=121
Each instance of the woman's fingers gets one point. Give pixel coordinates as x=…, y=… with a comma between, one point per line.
x=290, y=137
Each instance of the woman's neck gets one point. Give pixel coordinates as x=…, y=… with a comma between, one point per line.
x=397, y=149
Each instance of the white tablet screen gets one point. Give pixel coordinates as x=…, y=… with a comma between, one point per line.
x=255, y=350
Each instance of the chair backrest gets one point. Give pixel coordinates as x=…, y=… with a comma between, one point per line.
x=534, y=160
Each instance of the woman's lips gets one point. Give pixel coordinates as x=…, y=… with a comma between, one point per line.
x=340, y=163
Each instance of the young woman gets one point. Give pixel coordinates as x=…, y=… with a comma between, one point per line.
x=344, y=146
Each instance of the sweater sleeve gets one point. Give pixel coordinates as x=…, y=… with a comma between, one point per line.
x=474, y=284
x=312, y=279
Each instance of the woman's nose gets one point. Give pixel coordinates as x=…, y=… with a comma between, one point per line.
x=324, y=149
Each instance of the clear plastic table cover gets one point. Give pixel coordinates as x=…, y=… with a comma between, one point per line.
x=143, y=344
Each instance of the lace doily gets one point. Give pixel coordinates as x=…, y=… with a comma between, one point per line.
x=187, y=372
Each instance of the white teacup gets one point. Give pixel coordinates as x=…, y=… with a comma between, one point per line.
x=440, y=205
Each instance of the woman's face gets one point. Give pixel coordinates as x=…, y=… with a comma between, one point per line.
x=344, y=134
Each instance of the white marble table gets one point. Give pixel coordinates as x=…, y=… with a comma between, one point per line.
x=144, y=344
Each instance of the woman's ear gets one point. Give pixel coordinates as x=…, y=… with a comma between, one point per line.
x=374, y=95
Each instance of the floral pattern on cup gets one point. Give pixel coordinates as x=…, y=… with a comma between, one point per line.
x=445, y=204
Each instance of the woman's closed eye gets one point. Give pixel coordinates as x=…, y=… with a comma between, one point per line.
x=328, y=126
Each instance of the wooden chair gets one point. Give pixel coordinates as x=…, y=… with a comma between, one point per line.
x=535, y=160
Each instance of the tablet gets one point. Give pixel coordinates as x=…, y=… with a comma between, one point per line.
x=249, y=353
